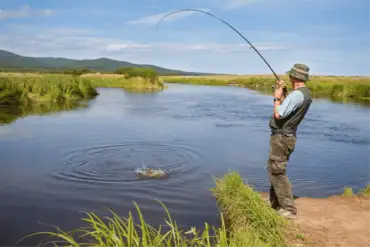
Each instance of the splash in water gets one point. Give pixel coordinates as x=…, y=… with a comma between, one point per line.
x=145, y=172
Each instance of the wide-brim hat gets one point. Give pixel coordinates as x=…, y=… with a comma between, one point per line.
x=299, y=71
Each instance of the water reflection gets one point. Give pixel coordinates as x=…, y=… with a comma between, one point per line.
x=9, y=114
x=346, y=100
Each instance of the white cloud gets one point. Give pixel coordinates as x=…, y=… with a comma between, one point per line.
x=43, y=43
x=153, y=19
x=24, y=12
x=213, y=47
x=327, y=58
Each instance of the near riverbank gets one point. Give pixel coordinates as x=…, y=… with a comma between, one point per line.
x=22, y=89
x=246, y=220
x=333, y=87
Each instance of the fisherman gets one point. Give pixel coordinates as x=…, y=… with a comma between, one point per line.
x=288, y=114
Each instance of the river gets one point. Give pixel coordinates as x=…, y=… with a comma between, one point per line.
x=55, y=166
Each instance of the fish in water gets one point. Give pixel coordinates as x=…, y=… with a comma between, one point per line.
x=151, y=173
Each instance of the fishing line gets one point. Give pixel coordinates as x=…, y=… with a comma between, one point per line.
x=197, y=10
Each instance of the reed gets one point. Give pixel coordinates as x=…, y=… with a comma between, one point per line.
x=117, y=231
x=129, y=83
x=248, y=221
x=16, y=89
x=245, y=211
x=348, y=191
x=365, y=191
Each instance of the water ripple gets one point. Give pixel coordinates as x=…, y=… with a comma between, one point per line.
x=116, y=163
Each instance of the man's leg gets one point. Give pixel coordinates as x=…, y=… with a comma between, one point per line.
x=280, y=149
x=272, y=195
x=273, y=199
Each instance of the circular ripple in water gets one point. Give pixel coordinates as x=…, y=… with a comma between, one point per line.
x=117, y=163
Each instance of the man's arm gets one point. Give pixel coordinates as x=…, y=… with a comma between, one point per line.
x=291, y=103
x=278, y=103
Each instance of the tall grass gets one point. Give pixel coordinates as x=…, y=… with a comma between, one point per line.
x=348, y=191
x=129, y=83
x=246, y=212
x=119, y=231
x=248, y=222
x=146, y=73
x=16, y=89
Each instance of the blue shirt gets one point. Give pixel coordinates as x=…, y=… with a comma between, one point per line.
x=290, y=104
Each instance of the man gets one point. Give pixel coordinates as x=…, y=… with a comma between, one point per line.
x=288, y=114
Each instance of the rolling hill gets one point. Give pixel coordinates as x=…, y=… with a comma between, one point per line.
x=13, y=62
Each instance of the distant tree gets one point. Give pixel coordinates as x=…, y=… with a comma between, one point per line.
x=77, y=72
x=146, y=73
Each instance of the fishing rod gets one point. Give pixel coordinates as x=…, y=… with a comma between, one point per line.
x=207, y=13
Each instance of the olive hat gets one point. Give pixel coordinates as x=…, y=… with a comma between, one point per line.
x=299, y=71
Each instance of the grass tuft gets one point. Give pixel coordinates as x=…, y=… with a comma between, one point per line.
x=247, y=213
x=365, y=191
x=347, y=191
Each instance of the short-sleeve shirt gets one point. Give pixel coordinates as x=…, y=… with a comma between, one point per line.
x=290, y=104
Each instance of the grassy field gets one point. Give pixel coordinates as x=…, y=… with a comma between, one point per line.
x=135, y=84
x=24, y=88
x=248, y=221
x=321, y=86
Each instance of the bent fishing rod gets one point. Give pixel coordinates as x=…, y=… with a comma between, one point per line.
x=207, y=13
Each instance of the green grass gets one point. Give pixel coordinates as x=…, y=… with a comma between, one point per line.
x=321, y=86
x=365, y=191
x=348, y=191
x=118, y=231
x=246, y=212
x=132, y=72
x=195, y=81
x=248, y=222
x=20, y=89
x=17, y=88
x=129, y=83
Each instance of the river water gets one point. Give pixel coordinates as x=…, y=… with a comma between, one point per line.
x=55, y=166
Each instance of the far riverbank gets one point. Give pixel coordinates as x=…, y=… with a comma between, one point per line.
x=337, y=88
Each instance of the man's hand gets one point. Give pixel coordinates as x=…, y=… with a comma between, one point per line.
x=281, y=83
x=279, y=91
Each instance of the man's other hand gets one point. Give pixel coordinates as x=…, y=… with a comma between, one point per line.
x=279, y=91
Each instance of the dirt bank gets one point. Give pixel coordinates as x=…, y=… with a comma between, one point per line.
x=334, y=221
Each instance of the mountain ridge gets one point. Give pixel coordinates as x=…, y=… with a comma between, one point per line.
x=15, y=62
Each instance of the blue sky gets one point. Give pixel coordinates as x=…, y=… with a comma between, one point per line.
x=330, y=36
